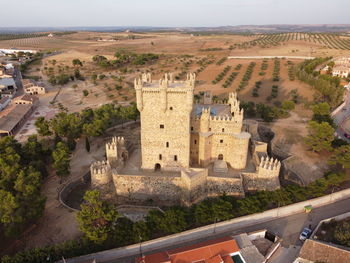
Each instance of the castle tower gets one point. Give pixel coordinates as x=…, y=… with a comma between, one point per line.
x=268, y=168
x=204, y=121
x=165, y=107
x=207, y=98
x=204, y=140
x=115, y=149
x=101, y=174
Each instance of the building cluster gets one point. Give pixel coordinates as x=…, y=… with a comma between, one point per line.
x=319, y=249
x=246, y=248
x=340, y=69
x=189, y=151
x=16, y=105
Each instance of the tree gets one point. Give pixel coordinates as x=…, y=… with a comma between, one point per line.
x=20, y=183
x=322, y=113
x=67, y=125
x=321, y=136
x=288, y=105
x=173, y=220
x=341, y=155
x=61, y=159
x=342, y=233
x=222, y=210
x=87, y=144
x=43, y=127
x=97, y=218
x=77, y=62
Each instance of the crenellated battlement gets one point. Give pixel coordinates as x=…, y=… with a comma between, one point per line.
x=145, y=87
x=167, y=81
x=115, y=142
x=100, y=167
x=226, y=118
x=269, y=163
x=101, y=173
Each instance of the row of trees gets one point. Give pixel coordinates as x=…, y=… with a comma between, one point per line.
x=266, y=112
x=327, y=87
x=123, y=58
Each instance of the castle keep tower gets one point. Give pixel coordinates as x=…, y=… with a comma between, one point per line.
x=165, y=109
x=115, y=150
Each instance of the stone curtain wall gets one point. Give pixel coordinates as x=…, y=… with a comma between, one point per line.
x=134, y=188
x=187, y=188
x=219, y=185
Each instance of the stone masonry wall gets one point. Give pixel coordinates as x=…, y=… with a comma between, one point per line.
x=135, y=188
x=228, y=185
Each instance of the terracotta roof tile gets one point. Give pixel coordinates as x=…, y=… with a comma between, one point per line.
x=201, y=252
x=317, y=251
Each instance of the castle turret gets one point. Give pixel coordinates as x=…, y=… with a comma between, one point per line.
x=101, y=174
x=268, y=168
x=163, y=86
x=115, y=149
x=139, y=97
x=207, y=98
x=204, y=121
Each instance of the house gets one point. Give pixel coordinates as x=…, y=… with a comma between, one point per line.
x=32, y=87
x=325, y=70
x=4, y=102
x=341, y=71
x=14, y=119
x=321, y=247
x=222, y=250
x=255, y=247
x=27, y=99
x=318, y=251
x=8, y=87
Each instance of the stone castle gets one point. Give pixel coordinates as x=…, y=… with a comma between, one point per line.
x=188, y=151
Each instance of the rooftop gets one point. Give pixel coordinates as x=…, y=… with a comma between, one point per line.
x=321, y=252
x=27, y=83
x=212, y=251
x=27, y=97
x=4, y=100
x=8, y=122
x=215, y=109
x=7, y=82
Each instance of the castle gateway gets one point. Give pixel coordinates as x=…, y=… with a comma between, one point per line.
x=187, y=152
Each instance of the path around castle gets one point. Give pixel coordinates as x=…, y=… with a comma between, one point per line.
x=288, y=228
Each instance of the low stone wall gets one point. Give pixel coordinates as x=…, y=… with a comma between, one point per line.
x=201, y=232
x=69, y=187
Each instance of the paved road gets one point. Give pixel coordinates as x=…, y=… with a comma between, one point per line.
x=288, y=228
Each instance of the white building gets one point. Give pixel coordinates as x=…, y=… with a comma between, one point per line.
x=32, y=87
x=341, y=71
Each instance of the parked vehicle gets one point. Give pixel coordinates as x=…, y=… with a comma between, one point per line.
x=305, y=234
x=346, y=135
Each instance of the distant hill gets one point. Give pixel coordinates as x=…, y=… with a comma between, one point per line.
x=318, y=28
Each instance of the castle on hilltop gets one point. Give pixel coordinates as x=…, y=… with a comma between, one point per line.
x=188, y=151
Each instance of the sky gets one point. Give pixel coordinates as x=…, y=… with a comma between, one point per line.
x=172, y=13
